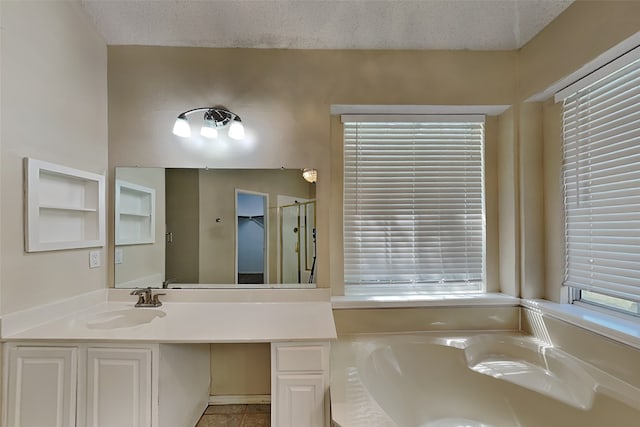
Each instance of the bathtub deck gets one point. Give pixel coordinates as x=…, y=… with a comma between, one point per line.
x=489, y=379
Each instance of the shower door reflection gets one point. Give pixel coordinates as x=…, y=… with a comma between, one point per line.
x=297, y=243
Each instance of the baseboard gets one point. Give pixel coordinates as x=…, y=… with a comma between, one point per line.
x=252, y=399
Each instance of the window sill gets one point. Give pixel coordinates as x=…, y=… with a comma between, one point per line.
x=416, y=300
x=610, y=326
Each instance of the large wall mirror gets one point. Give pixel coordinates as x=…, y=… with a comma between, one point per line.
x=194, y=228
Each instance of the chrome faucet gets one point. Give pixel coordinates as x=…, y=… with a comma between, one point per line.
x=146, y=297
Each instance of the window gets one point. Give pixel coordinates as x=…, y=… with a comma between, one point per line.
x=601, y=171
x=413, y=210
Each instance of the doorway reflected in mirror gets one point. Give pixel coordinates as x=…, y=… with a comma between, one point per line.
x=252, y=211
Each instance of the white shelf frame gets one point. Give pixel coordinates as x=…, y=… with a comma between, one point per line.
x=82, y=207
x=149, y=235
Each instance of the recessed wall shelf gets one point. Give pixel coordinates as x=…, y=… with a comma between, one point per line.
x=65, y=207
x=135, y=214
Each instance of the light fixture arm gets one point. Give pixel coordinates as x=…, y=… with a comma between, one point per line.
x=214, y=117
x=220, y=115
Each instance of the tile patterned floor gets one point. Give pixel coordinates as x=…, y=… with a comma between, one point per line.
x=236, y=416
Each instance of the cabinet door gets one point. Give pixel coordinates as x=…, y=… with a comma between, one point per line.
x=42, y=387
x=118, y=387
x=300, y=401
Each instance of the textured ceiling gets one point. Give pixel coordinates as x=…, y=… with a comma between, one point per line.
x=324, y=24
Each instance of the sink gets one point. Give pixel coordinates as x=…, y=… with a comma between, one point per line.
x=126, y=318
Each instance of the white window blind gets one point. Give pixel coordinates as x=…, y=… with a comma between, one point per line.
x=414, y=202
x=601, y=127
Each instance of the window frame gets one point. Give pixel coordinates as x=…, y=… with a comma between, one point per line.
x=599, y=295
x=411, y=288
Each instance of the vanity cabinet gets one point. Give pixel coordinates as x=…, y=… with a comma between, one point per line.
x=300, y=384
x=105, y=384
x=118, y=387
x=41, y=386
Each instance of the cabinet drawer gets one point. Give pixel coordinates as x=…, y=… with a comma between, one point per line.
x=301, y=358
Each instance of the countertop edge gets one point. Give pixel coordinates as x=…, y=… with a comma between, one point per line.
x=239, y=322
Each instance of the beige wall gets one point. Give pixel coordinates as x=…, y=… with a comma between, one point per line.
x=521, y=201
x=1, y=117
x=530, y=167
x=146, y=260
x=183, y=221
x=217, y=200
x=508, y=206
x=584, y=30
x=240, y=369
x=53, y=107
x=553, y=200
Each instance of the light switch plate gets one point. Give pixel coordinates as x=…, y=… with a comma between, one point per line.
x=94, y=259
x=119, y=256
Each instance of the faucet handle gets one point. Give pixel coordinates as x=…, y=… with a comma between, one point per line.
x=141, y=296
x=156, y=301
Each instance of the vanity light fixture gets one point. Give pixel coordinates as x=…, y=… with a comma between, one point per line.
x=214, y=119
x=310, y=174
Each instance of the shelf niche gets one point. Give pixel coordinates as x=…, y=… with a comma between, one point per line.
x=135, y=214
x=65, y=207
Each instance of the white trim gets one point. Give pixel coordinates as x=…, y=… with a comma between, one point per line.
x=610, y=326
x=489, y=110
x=88, y=202
x=146, y=236
x=410, y=118
x=605, y=310
x=601, y=60
x=613, y=66
x=253, y=399
x=405, y=301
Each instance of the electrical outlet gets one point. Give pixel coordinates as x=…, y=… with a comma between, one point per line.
x=119, y=256
x=94, y=259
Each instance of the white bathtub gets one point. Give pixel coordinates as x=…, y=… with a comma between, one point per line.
x=482, y=380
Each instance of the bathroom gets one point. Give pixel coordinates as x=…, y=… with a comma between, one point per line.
x=70, y=99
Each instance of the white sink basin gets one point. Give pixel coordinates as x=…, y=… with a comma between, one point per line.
x=125, y=318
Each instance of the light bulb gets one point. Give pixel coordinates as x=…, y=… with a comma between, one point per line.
x=209, y=130
x=310, y=175
x=236, y=130
x=181, y=127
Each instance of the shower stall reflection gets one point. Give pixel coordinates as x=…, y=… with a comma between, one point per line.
x=297, y=242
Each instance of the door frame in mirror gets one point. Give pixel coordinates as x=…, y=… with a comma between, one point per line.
x=265, y=245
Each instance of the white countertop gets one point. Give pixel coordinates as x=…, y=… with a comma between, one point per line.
x=196, y=322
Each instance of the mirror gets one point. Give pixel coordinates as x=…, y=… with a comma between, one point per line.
x=203, y=228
